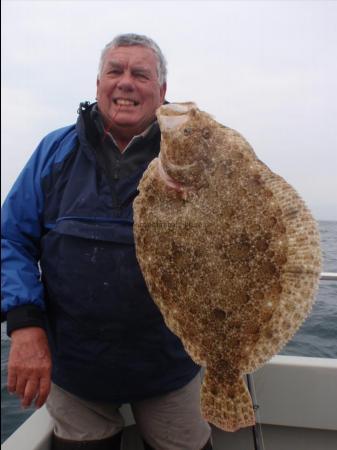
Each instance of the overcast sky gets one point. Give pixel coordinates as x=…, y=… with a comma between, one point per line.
x=266, y=68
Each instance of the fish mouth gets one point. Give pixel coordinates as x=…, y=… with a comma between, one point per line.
x=174, y=115
x=175, y=176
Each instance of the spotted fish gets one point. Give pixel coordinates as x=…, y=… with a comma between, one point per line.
x=229, y=251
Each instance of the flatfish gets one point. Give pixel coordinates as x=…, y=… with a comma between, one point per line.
x=229, y=251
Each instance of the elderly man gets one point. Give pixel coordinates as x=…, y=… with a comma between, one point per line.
x=77, y=307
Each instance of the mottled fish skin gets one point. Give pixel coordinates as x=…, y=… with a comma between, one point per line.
x=229, y=251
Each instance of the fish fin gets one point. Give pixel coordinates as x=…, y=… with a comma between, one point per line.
x=227, y=406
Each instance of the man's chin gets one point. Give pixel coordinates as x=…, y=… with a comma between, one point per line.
x=125, y=118
x=137, y=126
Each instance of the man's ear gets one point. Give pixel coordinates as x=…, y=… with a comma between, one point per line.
x=97, y=86
x=162, y=92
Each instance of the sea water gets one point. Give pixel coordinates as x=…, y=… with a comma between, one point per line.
x=316, y=337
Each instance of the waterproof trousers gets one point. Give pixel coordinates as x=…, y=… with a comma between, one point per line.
x=169, y=422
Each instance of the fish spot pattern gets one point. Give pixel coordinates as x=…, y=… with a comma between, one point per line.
x=231, y=257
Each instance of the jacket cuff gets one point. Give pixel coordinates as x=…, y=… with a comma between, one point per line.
x=25, y=316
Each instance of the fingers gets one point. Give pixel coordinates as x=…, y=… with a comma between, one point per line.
x=11, y=381
x=21, y=386
x=26, y=388
x=30, y=391
x=43, y=392
x=29, y=366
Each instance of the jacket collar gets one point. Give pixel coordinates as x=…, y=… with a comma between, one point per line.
x=150, y=131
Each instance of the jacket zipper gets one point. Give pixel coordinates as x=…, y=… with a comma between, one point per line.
x=117, y=170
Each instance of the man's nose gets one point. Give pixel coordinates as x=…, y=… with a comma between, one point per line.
x=125, y=82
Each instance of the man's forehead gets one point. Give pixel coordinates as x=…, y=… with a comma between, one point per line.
x=135, y=55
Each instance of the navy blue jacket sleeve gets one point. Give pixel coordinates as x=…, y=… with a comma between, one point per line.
x=22, y=228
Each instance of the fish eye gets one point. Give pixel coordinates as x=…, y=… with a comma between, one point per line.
x=206, y=133
x=187, y=131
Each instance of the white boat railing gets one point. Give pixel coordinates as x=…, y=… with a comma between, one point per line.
x=328, y=276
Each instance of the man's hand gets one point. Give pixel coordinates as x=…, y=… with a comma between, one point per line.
x=29, y=366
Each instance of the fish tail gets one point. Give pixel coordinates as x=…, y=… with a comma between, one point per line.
x=227, y=406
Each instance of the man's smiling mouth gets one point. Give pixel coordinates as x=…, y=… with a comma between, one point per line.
x=125, y=102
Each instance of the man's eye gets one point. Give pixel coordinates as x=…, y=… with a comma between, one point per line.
x=141, y=75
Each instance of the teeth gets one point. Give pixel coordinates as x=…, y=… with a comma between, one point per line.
x=124, y=102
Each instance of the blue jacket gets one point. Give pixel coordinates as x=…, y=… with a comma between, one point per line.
x=69, y=265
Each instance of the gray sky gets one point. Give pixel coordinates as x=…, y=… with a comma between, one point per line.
x=266, y=68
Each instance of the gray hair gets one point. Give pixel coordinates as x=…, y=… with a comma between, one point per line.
x=129, y=39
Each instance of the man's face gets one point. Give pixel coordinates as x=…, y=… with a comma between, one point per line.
x=128, y=91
